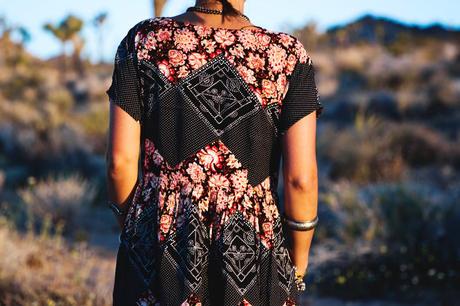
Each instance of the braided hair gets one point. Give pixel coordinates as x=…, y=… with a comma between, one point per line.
x=228, y=9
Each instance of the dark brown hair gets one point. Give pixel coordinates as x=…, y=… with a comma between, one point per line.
x=228, y=9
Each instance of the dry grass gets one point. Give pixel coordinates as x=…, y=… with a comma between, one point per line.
x=48, y=271
x=62, y=200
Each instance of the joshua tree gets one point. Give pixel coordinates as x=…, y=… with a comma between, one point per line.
x=158, y=6
x=68, y=30
x=99, y=22
x=12, y=51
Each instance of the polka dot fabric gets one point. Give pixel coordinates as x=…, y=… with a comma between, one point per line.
x=204, y=226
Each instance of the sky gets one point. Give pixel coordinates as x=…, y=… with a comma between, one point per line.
x=283, y=15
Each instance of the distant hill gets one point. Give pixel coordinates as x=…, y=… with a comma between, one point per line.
x=384, y=30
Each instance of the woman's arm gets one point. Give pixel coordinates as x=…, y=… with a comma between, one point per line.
x=300, y=184
x=122, y=157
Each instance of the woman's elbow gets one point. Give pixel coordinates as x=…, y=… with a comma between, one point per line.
x=301, y=183
x=117, y=163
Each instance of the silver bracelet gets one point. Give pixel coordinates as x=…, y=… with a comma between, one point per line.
x=300, y=226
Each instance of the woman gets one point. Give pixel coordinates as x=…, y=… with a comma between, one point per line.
x=211, y=105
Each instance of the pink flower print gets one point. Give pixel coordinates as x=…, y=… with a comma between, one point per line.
x=281, y=82
x=248, y=39
x=185, y=40
x=263, y=39
x=155, y=181
x=224, y=37
x=244, y=302
x=250, y=189
x=171, y=202
x=209, y=45
x=137, y=39
x=163, y=35
x=149, y=146
x=183, y=72
x=165, y=223
x=290, y=63
x=203, y=205
x=239, y=179
x=267, y=227
x=157, y=158
x=186, y=186
x=255, y=61
x=258, y=190
x=276, y=58
x=269, y=88
x=258, y=94
x=266, y=183
x=230, y=58
x=151, y=41
x=196, y=172
x=196, y=60
x=269, y=196
x=191, y=301
x=219, y=181
x=254, y=221
x=247, y=74
x=301, y=52
x=164, y=68
x=285, y=39
x=222, y=201
x=164, y=182
x=210, y=157
x=197, y=191
x=176, y=58
x=270, y=211
x=247, y=203
x=143, y=54
x=222, y=147
x=176, y=178
x=233, y=162
x=163, y=21
x=237, y=51
x=202, y=31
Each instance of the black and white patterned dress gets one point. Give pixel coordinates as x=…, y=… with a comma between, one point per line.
x=204, y=226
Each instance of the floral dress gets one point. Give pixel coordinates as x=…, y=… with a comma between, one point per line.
x=204, y=227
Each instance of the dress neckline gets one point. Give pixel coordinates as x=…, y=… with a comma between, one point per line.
x=189, y=24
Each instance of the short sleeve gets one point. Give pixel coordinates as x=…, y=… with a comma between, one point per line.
x=125, y=89
x=302, y=96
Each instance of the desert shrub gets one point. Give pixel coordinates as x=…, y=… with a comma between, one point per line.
x=60, y=201
x=420, y=145
x=361, y=153
x=345, y=216
x=406, y=218
x=15, y=87
x=94, y=124
x=35, y=270
x=62, y=99
x=411, y=233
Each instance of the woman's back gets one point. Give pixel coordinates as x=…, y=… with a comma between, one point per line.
x=213, y=104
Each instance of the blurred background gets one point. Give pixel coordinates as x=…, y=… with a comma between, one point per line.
x=388, y=74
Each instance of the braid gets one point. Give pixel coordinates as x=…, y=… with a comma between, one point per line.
x=228, y=9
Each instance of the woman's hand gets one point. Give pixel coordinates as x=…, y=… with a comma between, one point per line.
x=301, y=266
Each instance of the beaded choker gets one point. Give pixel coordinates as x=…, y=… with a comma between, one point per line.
x=211, y=11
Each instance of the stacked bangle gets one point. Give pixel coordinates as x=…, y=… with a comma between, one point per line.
x=300, y=226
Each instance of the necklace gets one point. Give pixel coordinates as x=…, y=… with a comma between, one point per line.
x=206, y=10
